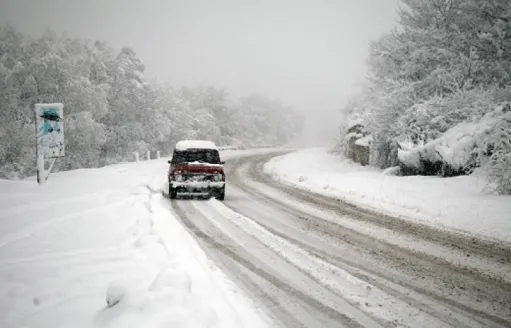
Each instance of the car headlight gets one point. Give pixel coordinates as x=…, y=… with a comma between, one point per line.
x=178, y=177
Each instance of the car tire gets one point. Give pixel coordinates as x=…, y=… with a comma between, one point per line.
x=220, y=195
x=172, y=192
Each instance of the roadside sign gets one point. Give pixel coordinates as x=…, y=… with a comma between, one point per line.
x=50, y=129
x=50, y=136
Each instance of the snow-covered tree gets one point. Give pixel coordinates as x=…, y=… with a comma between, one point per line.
x=446, y=63
x=110, y=108
x=498, y=144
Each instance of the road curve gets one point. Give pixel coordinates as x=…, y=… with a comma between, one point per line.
x=312, y=261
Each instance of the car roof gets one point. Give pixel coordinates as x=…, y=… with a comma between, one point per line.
x=195, y=144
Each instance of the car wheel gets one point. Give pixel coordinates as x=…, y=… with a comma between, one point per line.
x=172, y=192
x=220, y=195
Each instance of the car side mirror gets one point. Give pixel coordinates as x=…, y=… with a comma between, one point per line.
x=169, y=161
x=222, y=162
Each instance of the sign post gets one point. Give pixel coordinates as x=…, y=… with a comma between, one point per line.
x=50, y=136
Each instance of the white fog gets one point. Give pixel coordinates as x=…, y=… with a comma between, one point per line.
x=309, y=54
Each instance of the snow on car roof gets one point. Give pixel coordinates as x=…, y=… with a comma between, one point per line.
x=195, y=144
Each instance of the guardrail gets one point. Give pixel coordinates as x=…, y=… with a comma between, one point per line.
x=147, y=156
x=223, y=148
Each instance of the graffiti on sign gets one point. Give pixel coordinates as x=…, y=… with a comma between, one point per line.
x=50, y=130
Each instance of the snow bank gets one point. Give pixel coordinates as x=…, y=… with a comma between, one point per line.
x=458, y=203
x=101, y=248
x=460, y=146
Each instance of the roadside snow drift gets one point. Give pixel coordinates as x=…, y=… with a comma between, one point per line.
x=459, y=203
x=101, y=248
x=465, y=143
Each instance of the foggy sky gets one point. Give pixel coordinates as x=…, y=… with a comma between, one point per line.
x=308, y=53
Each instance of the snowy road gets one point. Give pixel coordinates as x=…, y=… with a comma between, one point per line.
x=311, y=261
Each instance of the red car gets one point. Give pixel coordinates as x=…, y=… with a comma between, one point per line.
x=196, y=170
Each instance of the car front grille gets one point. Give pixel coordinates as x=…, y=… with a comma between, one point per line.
x=198, y=177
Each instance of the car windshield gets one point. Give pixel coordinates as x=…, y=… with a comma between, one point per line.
x=210, y=156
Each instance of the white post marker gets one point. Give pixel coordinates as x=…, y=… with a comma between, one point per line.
x=158, y=154
x=137, y=157
x=49, y=120
x=148, y=155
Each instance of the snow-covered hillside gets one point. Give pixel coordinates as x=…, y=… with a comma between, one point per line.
x=98, y=236
x=459, y=203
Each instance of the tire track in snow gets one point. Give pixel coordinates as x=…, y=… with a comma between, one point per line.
x=497, y=249
x=265, y=271
x=472, y=285
x=402, y=303
x=393, y=287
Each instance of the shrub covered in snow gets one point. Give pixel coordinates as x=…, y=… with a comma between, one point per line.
x=498, y=144
x=499, y=173
x=463, y=147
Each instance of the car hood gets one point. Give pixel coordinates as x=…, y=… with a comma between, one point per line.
x=198, y=167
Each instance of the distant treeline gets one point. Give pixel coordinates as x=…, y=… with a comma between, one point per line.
x=111, y=110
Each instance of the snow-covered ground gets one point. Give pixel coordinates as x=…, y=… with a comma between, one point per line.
x=459, y=203
x=89, y=238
